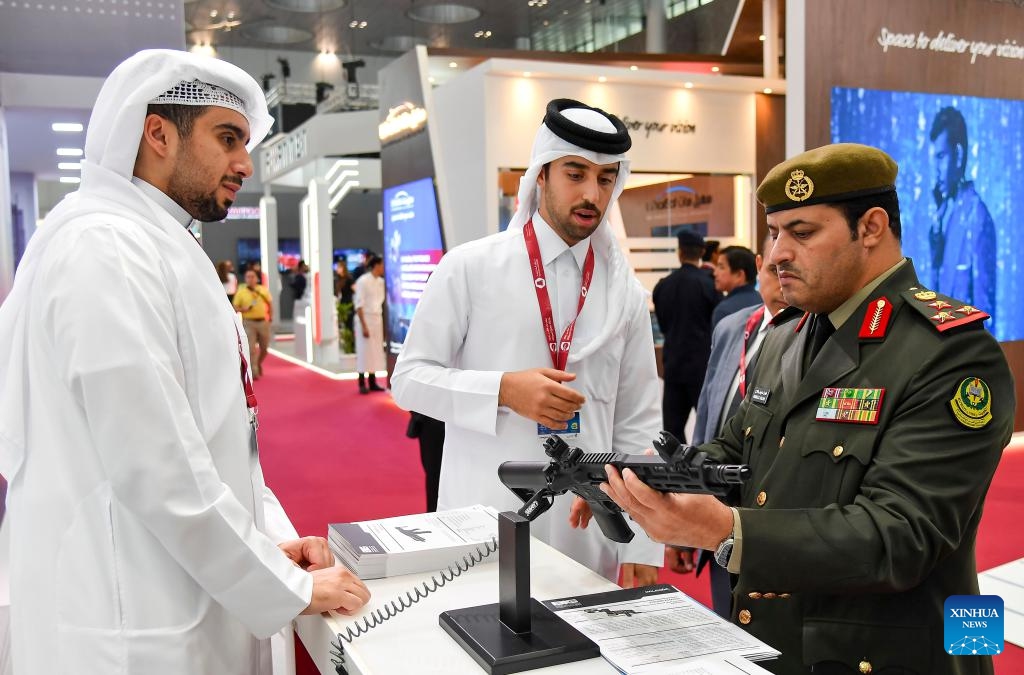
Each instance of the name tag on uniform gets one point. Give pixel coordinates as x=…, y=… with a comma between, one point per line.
x=856, y=406
x=572, y=428
x=760, y=395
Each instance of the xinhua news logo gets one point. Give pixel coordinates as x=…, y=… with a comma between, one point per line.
x=973, y=625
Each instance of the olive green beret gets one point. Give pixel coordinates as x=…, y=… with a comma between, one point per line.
x=829, y=174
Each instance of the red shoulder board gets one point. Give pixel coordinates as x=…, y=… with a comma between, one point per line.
x=942, y=311
x=876, y=319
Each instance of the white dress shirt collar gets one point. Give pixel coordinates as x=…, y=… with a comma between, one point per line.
x=172, y=207
x=552, y=245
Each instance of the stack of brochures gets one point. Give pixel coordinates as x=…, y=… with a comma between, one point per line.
x=660, y=629
x=423, y=542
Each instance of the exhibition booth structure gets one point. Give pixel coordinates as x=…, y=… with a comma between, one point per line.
x=327, y=156
x=451, y=157
x=693, y=159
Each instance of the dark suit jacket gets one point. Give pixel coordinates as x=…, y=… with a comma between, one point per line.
x=683, y=302
x=855, y=534
x=744, y=296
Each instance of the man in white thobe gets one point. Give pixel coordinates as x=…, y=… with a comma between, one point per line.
x=143, y=537
x=485, y=356
x=368, y=295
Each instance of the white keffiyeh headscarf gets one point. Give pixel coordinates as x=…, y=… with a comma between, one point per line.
x=111, y=148
x=574, y=128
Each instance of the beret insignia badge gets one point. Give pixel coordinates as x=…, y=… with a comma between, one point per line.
x=799, y=187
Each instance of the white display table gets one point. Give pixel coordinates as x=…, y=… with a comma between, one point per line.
x=414, y=642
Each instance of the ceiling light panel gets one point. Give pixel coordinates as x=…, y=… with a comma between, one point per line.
x=443, y=13
x=308, y=6
x=276, y=34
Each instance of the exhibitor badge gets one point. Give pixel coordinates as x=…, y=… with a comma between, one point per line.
x=973, y=625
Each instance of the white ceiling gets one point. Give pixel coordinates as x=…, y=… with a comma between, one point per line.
x=87, y=38
x=33, y=144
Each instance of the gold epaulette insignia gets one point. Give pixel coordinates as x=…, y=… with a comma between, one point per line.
x=942, y=311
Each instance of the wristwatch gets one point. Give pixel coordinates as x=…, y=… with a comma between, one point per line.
x=724, y=550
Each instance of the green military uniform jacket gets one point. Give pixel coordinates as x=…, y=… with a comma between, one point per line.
x=854, y=534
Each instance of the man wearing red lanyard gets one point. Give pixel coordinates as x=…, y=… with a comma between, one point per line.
x=542, y=329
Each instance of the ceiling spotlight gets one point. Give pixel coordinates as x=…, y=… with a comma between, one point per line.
x=688, y=85
x=482, y=34
x=67, y=126
x=715, y=69
x=602, y=79
x=452, y=64
x=213, y=14
x=633, y=68
x=354, y=23
x=767, y=90
x=431, y=79
x=537, y=3
x=761, y=37
x=69, y=152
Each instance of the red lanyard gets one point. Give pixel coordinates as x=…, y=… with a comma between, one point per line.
x=250, y=393
x=559, y=348
x=753, y=321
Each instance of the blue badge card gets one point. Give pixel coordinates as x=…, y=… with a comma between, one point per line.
x=572, y=428
x=973, y=625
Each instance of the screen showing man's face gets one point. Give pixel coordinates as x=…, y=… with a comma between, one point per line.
x=947, y=169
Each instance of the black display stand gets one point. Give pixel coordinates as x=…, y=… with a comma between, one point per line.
x=518, y=633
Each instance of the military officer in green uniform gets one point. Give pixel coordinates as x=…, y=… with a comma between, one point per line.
x=873, y=426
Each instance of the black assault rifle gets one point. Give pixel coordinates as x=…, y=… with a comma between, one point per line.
x=677, y=468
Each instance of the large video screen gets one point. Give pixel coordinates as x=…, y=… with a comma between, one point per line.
x=412, y=249
x=960, y=160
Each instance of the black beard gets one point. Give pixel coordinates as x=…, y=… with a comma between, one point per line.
x=205, y=208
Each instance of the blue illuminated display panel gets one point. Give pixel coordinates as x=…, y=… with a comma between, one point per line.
x=959, y=209
x=413, y=246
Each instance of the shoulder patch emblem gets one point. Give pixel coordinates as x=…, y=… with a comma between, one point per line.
x=972, y=403
x=942, y=312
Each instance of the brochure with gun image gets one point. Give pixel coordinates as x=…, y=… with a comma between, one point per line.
x=660, y=629
x=421, y=542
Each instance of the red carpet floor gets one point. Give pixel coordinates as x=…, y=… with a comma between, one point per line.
x=333, y=455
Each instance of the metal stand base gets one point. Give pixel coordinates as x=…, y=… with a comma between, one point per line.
x=499, y=650
x=518, y=633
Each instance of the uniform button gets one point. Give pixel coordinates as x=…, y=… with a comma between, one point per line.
x=746, y=432
x=754, y=595
x=838, y=450
x=744, y=617
x=782, y=441
x=785, y=596
x=864, y=667
x=762, y=497
x=770, y=596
